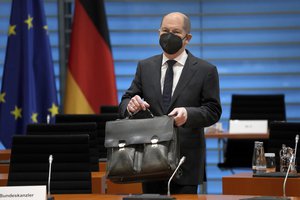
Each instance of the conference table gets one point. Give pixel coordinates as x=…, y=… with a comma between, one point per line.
x=222, y=136
x=246, y=184
x=178, y=197
x=227, y=135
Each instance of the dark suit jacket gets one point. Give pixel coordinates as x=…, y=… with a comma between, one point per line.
x=198, y=91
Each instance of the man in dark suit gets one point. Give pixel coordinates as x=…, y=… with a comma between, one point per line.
x=193, y=100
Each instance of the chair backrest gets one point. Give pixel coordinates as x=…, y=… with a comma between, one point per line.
x=29, y=162
x=109, y=109
x=238, y=153
x=100, y=119
x=283, y=133
x=269, y=107
x=71, y=129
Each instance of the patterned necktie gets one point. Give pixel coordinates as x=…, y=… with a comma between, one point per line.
x=168, y=84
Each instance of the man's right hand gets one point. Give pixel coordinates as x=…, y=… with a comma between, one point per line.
x=136, y=104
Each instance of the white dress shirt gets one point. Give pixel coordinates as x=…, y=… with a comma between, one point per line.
x=177, y=69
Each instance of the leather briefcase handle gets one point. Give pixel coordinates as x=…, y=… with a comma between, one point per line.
x=142, y=114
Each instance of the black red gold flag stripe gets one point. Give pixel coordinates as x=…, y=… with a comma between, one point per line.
x=90, y=77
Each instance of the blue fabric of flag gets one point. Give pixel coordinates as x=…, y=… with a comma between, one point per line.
x=28, y=93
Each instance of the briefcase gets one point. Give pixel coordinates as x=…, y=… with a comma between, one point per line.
x=140, y=150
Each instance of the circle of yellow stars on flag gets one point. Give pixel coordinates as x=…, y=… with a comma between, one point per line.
x=2, y=99
x=28, y=21
x=17, y=112
x=53, y=110
x=12, y=30
x=34, y=117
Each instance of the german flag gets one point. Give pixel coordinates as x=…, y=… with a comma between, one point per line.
x=90, y=76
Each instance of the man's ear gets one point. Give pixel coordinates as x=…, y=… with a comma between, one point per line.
x=188, y=38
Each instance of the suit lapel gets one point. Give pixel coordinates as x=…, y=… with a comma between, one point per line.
x=157, y=85
x=186, y=75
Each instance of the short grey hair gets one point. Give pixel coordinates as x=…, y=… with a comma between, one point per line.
x=186, y=22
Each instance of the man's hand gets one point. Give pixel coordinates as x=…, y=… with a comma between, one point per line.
x=180, y=115
x=136, y=104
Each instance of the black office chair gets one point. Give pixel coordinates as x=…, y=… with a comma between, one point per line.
x=238, y=153
x=100, y=119
x=71, y=129
x=283, y=133
x=270, y=107
x=29, y=163
x=109, y=109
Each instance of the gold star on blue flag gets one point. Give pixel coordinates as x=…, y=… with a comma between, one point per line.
x=28, y=84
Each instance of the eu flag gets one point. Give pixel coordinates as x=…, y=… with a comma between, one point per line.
x=28, y=93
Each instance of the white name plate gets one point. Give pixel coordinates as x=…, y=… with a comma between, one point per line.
x=248, y=126
x=23, y=192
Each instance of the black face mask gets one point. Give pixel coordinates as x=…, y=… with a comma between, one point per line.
x=170, y=43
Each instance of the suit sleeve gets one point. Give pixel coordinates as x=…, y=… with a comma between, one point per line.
x=210, y=110
x=134, y=89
